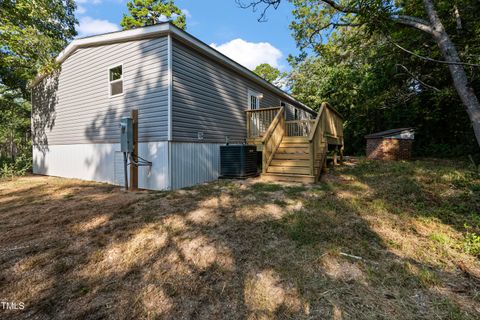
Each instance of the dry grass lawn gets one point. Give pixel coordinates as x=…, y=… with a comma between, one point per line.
x=247, y=249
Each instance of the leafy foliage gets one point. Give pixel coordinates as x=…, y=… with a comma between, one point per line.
x=377, y=86
x=149, y=12
x=267, y=72
x=31, y=35
x=355, y=56
x=471, y=242
x=15, y=145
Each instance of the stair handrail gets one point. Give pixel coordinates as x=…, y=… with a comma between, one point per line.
x=275, y=130
x=315, y=140
x=272, y=125
x=317, y=121
x=252, y=131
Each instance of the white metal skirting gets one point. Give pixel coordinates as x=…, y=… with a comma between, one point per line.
x=100, y=162
x=194, y=163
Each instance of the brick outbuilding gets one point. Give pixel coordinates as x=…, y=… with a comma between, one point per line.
x=394, y=144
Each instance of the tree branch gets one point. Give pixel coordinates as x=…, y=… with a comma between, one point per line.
x=433, y=60
x=413, y=22
x=254, y=4
x=417, y=79
x=458, y=18
x=339, y=7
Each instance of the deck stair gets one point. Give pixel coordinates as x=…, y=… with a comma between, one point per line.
x=291, y=161
x=297, y=150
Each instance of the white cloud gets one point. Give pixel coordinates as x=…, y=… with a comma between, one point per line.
x=89, y=26
x=250, y=54
x=89, y=1
x=187, y=13
x=163, y=18
x=81, y=9
x=81, y=5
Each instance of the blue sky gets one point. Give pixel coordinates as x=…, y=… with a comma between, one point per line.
x=220, y=23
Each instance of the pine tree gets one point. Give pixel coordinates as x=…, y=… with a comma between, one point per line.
x=149, y=12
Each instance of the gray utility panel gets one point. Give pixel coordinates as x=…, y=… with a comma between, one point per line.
x=126, y=135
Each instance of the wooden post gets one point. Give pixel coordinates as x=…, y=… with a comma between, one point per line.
x=249, y=133
x=341, y=151
x=312, y=157
x=324, y=163
x=134, y=168
x=335, y=162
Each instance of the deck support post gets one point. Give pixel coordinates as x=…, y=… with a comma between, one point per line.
x=341, y=151
x=324, y=168
x=335, y=162
x=264, y=162
x=312, y=158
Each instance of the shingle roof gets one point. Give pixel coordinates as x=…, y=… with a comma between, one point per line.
x=388, y=133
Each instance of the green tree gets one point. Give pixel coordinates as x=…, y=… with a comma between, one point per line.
x=362, y=77
x=32, y=33
x=435, y=25
x=271, y=74
x=149, y=12
x=267, y=72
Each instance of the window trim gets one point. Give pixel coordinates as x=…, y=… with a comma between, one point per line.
x=114, y=81
x=253, y=93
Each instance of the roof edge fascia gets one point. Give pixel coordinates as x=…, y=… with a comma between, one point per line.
x=186, y=38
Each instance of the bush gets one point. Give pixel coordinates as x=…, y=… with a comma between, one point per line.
x=471, y=243
x=18, y=167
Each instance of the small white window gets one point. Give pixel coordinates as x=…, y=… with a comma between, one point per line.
x=115, y=75
x=254, y=99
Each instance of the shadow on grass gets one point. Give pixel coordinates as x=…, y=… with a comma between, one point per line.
x=233, y=250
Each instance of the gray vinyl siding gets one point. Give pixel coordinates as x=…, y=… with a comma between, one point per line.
x=75, y=107
x=210, y=98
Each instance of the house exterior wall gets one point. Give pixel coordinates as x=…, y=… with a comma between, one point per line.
x=75, y=107
x=194, y=163
x=389, y=149
x=75, y=122
x=103, y=162
x=210, y=98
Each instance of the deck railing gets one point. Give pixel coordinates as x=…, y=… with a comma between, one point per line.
x=299, y=128
x=333, y=122
x=318, y=146
x=272, y=138
x=258, y=121
x=329, y=123
x=267, y=127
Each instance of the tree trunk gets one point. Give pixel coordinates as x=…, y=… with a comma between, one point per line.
x=460, y=80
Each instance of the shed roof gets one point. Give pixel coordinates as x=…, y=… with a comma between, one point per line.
x=168, y=28
x=389, y=133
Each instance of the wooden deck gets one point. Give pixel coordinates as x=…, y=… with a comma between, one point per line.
x=295, y=150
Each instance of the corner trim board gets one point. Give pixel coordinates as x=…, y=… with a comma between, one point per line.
x=170, y=86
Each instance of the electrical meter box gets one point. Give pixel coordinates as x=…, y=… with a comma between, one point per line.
x=126, y=134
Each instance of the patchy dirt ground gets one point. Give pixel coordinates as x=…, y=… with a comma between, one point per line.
x=372, y=241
